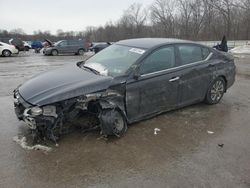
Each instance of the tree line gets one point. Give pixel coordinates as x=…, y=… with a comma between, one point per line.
x=186, y=19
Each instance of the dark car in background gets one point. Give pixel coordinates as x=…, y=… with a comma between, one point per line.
x=98, y=46
x=127, y=82
x=18, y=43
x=77, y=47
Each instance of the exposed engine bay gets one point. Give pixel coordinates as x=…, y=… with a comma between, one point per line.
x=96, y=111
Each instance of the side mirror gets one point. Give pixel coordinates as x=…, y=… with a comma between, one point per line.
x=137, y=75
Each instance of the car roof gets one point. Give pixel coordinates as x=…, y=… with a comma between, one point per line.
x=147, y=43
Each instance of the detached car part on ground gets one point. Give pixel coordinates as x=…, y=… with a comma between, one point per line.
x=127, y=82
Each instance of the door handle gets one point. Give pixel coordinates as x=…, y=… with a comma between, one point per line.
x=174, y=79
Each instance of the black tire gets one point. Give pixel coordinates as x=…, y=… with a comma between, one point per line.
x=26, y=48
x=215, y=91
x=80, y=52
x=54, y=52
x=6, y=53
x=112, y=122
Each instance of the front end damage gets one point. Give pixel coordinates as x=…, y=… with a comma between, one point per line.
x=102, y=110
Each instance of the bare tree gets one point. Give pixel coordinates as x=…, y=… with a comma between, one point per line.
x=185, y=17
x=224, y=8
x=136, y=17
x=162, y=16
x=197, y=17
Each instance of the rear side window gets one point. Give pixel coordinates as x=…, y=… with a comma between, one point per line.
x=73, y=42
x=161, y=59
x=190, y=54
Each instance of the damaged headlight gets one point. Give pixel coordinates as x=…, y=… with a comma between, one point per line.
x=46, y=111
x=49, y=111
x=36, y=111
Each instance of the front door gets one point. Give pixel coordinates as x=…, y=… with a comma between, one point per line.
x=63, y=47
x=156, y=89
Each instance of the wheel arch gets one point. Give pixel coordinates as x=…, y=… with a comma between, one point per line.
x=225, y=79
x=6, y=50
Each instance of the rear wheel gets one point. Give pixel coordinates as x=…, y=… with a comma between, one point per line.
x=54, y=52
x=80, y=52
x=6, y=53
x=216, y=91
x=26, y=48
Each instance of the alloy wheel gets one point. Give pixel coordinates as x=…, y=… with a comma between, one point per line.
x=217, y=91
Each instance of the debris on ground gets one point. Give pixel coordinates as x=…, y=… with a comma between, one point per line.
x=23, y=143
x=221, y=145
x=210, y=132
x=156, y=130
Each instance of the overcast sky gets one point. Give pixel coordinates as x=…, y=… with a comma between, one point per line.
x=67, y=15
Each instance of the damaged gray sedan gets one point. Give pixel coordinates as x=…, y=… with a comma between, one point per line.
x=127, y=82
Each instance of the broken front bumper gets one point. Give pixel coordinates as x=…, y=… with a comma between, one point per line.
x=23, y=112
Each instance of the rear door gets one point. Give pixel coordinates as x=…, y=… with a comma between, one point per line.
x=156, y=89
x=196, y=72
x=73, y=46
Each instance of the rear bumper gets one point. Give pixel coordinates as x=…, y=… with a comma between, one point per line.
x=231, y=75
x=15, y=51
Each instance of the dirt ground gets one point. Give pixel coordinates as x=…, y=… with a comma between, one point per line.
x=182, y=154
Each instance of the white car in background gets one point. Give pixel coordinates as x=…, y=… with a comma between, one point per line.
x=27, y=45
x=7, y=50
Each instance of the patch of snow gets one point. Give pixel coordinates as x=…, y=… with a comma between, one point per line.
x=241, y=50
x=100, y=68
x=23, y=143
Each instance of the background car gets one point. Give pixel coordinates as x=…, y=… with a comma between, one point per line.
x=18, y=43
x=6, y=50
x=36, y=44
x=98, y=46
x=27, y=45
x=77, y=47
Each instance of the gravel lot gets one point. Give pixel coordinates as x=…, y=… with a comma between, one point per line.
x=183, y=154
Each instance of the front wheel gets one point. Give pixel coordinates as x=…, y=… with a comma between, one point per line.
x=216, y=91
x=112, y=122
x=54, y=52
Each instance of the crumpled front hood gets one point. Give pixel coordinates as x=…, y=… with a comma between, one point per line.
x=61, y=84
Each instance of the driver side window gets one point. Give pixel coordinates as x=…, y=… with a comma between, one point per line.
x=161, y=59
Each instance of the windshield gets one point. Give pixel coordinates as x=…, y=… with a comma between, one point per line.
x=114, y=60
